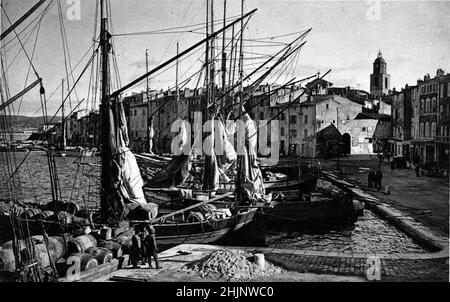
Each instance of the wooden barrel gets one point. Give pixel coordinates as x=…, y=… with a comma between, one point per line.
x=81, y=243
x=105, y=233
x=30, y=213
x=42, y=254
x=43, y=215
x=115, y=247
x=87, y=261
x=7, y=260
x=56, y=250
x=101, y=254
x=57, y=247
x=72, y=207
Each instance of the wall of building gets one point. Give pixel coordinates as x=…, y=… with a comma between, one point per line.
x=361, y=132
x=335, y=110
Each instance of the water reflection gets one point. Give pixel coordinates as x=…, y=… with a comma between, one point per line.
x=369, y=234
x=78, y=178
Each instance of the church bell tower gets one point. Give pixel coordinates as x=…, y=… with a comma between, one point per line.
x=379, y=79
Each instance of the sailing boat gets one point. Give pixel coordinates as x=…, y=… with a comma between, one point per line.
x=122, y=202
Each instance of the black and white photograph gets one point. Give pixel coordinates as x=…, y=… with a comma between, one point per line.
x=238, y=144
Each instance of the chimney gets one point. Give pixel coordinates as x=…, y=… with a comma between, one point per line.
x=440, y=72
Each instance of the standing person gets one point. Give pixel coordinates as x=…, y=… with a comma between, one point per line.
x=371, y=179
x=136, y=246
x=143, y=250
x=392, y=162
x=151, y=247
x=416, y=161
x=378, y=177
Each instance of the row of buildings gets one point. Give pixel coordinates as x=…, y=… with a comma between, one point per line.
x=420, y=119
x=322, y=121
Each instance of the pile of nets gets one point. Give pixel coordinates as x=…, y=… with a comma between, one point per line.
x=231, y=265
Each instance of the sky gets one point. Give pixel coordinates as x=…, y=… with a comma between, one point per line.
x=345, y=37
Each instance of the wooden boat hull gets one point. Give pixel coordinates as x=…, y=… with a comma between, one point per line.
x=242, y=228
x=280, y=185
x=317, y=214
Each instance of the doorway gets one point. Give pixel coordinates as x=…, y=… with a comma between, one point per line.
x=346, y=143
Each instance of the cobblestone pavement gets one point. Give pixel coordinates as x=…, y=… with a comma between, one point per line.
x=423, y=198
x=390, y=269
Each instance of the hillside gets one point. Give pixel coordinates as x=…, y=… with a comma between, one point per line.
x=25, y=122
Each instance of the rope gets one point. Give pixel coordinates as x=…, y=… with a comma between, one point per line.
x=28, y=72
x=23, y=48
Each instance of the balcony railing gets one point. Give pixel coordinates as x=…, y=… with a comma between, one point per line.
x=442, y=139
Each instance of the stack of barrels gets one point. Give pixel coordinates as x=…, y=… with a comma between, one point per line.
x=90, y=252
x=87, y=250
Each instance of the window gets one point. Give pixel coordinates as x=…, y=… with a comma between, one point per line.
x=306, y=133
x=433, y=130
x=326, y=106
x=282, y=116
x=448, y=89
x=364, y=129
x=306, y=119
x=421, y=130
x=427, y=106
x=385, y=83
x=261, y=116
x=135, y=112
x=293, y=133
x=293, y=119
x=427, y=130
x=422, y=107
x=441, y=91
x=433, y=105
x=282, y=131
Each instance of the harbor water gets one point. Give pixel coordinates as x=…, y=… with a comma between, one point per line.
x=79, y=182
x=78, y=178
x=369, y=234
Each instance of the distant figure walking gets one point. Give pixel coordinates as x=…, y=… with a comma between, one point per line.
x=416, y=161
x=371, y=179
x=378, y=178
x=392, y=162
x=151, y=247
x=143, y=251
x=135, y=250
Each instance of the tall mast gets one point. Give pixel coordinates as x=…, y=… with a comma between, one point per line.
x=104, y=45
x=210, y=70
x=241, y=62
x=213, y=62
x=176, y=79
x=149, y=146
x=206, y=102
x=63, y=125
x=224, y=55
x=146, y=69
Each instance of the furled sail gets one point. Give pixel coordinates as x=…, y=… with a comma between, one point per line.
x=177, y=170
x=249, y=184
x=227, y=155
x=124, y=197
